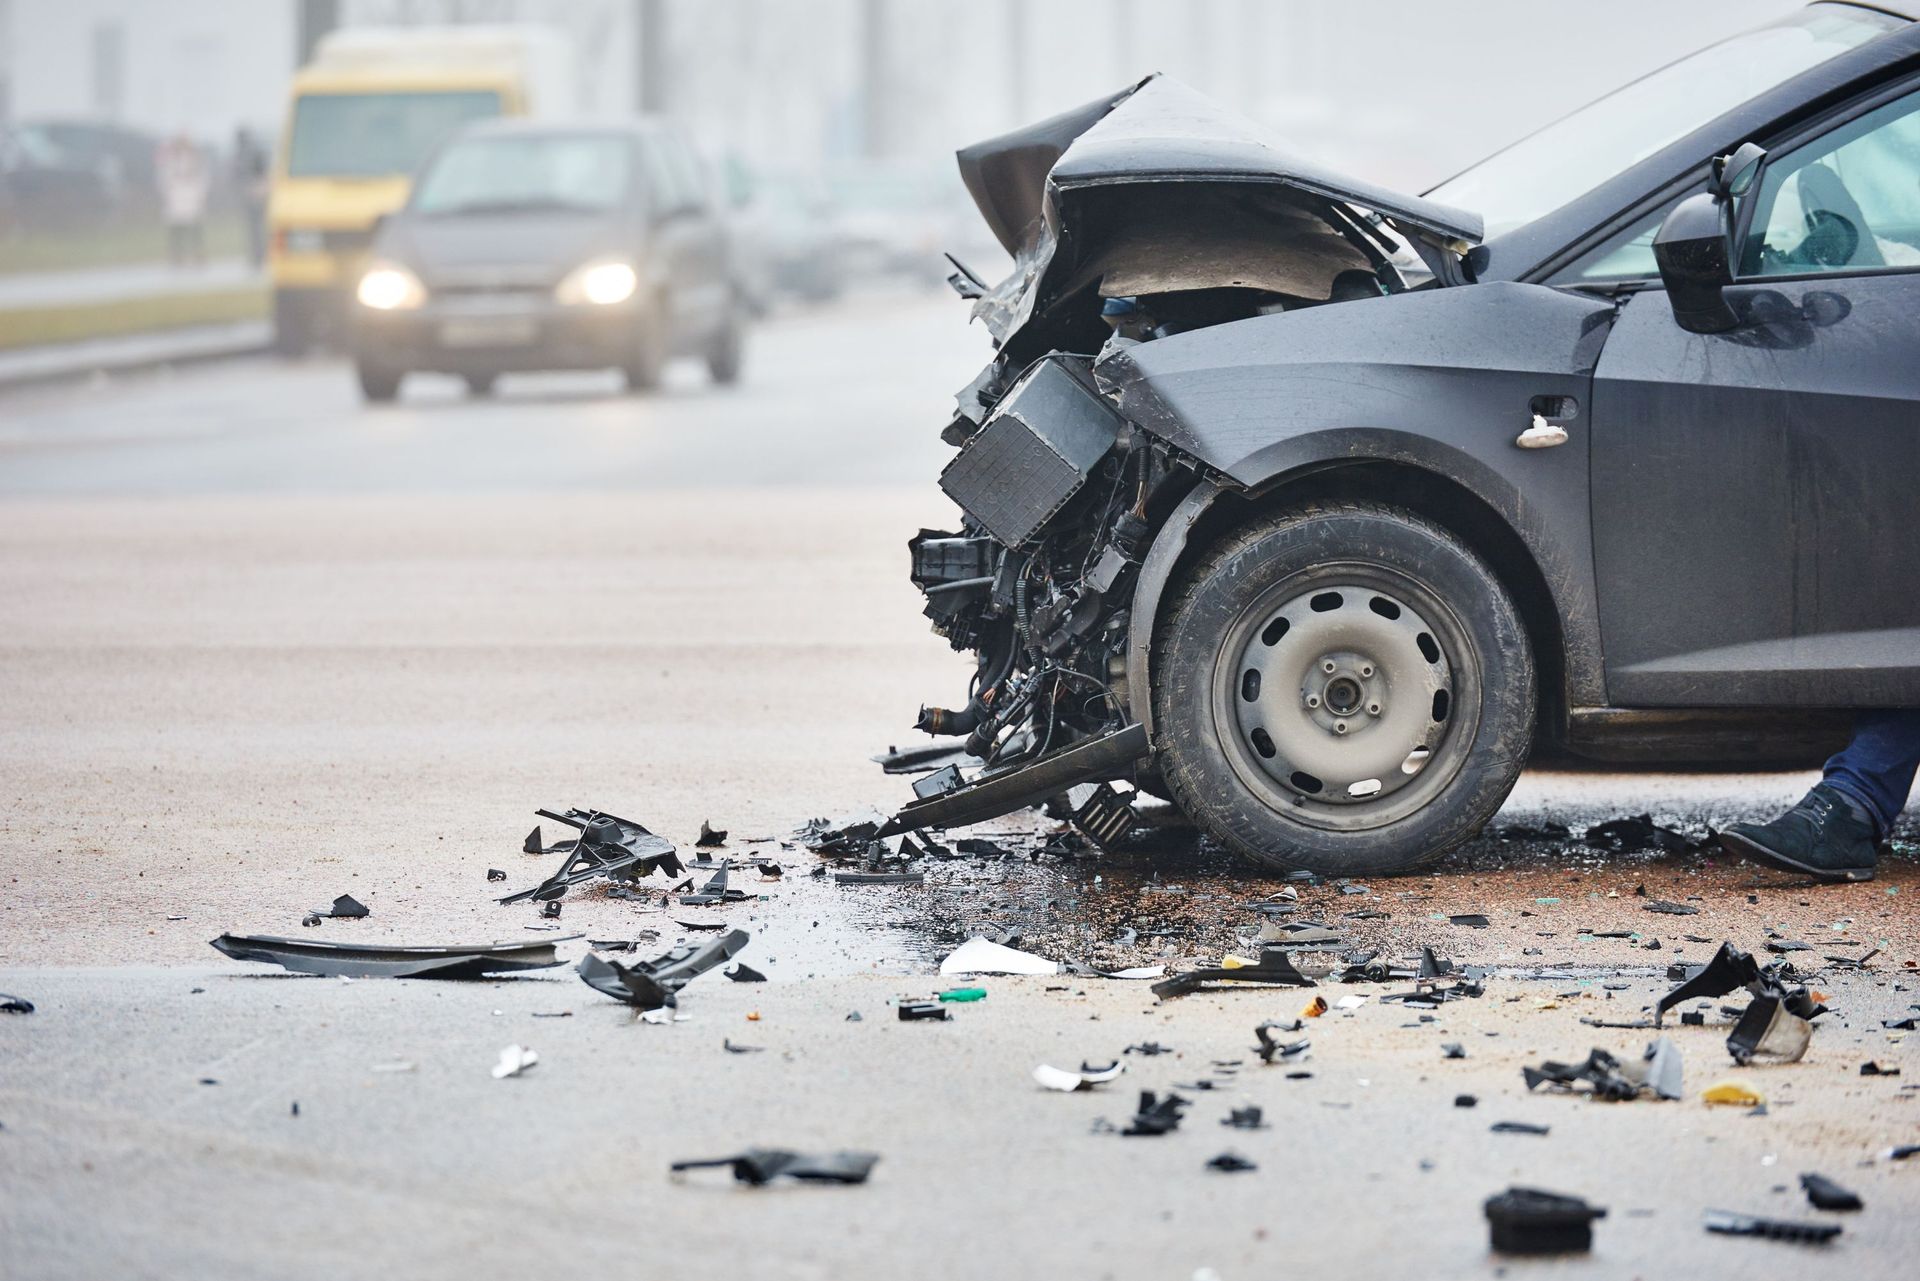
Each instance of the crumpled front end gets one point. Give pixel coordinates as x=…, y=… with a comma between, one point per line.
x=1148, y=214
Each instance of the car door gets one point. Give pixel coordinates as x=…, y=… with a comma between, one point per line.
x=1756, y=540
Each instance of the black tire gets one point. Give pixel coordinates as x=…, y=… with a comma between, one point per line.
x=727, y=355
x=1340, y=569
x=480, y=384
x=648, y=354
x=378, y=383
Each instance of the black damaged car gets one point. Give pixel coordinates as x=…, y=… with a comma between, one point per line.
x=1320, y=509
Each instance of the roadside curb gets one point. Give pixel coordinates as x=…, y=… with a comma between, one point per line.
x=64, y=362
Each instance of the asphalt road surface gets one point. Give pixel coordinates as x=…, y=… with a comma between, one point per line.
x=265, y=646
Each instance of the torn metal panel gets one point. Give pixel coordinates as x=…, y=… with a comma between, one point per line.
x=651, y=985
x=607, y=846
x=371, y=960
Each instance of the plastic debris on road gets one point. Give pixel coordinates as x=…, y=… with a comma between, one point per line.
x=514, y=1060
x=1530, y=1221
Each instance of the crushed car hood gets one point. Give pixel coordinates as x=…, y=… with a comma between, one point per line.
x=1041, y=190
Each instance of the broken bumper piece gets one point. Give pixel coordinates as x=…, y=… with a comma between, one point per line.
x=367, y=960
x=1094, y=761
x=650, y=985
x=1276, y=968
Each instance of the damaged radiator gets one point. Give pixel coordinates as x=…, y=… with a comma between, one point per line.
x=1035, y=453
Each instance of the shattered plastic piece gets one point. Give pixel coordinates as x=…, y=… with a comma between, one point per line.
x=1824, y=1194
x=1105, y=816
x=759, y=1166
x=1735, y=1091
x=1664, y=1068
x=1453, y=1050
x=1518, y=1127
x=1874, y=1069
x=1156, y=1115
x=651, y=985
x=514, y=1060
x=496, y=874
x=372, y=960
x=1314, y=1008
x=1465, y=1101
x=1728, y=1223
x=1902, y=1152
x=1247, y=1118
x=1272, y=1051
x=1431, y=966
x=878, y=878
x=744, y=973
x=1231, y=1163
x=979, y=956
x=532, y=844
x=550, y=910
x=1771, y=1031
x=1630, y=835
x=1086, y=1078
x=1472, y=920
x=1670, y=909
x=726, y=1043
x=924, y=1011
x=15, y=1004
x=1600, y=1071
x=708, y=837
x=1274, y=967
x=1530, y=1221
x=705, y=927
x=345, y=908
x=962, y=994
x=1782, y=946
x=607, y=846
x=1148, y=1049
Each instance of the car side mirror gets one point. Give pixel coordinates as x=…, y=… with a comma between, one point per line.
x=1694, y=248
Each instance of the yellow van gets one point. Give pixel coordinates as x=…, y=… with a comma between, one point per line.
x=362, y=116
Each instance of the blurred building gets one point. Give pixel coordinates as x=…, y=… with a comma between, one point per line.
x=1382, y=89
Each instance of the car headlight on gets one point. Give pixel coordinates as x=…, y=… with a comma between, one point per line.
x=388, y=287
x=600, y=284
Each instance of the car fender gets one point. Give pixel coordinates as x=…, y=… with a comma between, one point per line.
x=1439, y=383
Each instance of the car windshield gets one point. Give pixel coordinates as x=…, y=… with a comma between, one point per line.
x=1577, y=153
x=503, y=174
x=377, y=135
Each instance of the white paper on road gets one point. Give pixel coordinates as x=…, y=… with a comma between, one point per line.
x=1349, y=1002
x=978, y=956
x=514, y=1060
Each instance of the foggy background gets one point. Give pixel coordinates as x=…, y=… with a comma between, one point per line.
x=1405, y=93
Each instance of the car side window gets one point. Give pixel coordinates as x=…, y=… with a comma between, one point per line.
x=1628, y=255
x=1847, y=201
x=662, y=177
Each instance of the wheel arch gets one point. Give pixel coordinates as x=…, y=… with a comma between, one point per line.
x=1211, y=511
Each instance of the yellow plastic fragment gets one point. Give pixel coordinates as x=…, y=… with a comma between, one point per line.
x=1733, y=1090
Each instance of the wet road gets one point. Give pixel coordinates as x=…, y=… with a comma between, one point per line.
x=266, y=646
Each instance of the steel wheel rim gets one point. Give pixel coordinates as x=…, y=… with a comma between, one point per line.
x=1306, y=740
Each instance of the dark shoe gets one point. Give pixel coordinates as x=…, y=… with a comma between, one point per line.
x=1821, y=836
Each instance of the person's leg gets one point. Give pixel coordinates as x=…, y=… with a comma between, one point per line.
x=1876, y=768
x=1835, y=831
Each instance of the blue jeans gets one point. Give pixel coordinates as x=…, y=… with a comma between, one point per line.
x=1876, y=767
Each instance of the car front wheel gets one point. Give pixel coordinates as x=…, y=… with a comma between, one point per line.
x=378, y=383
x=1345, y=688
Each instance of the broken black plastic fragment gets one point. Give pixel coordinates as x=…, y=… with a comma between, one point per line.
x=715, y=891
x=1275, y=968
x=1156, y=1115
x=1247, y=1118
x=1518, y=1127
x=1231, y=1163
x=1148, y=1049
x=1670, y=909
x=726, y=1043
x=744, y=973
x=758, y=1166
x=1631, y=835
x=649, y=985
x=1824, y=1194
x=607, y=846
x=15, y=1004
x=708, y=837
x=1531, y=1221
x=1274, y=1051
x=1453, y=1050
x=1874, y=1069
x=1728, y=1223
x=366, y=960
x=1472, y=920
x=924, y=1011
x=550, y=910
x=495, y=874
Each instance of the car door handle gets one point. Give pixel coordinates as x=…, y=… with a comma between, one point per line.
x=1542, y=435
